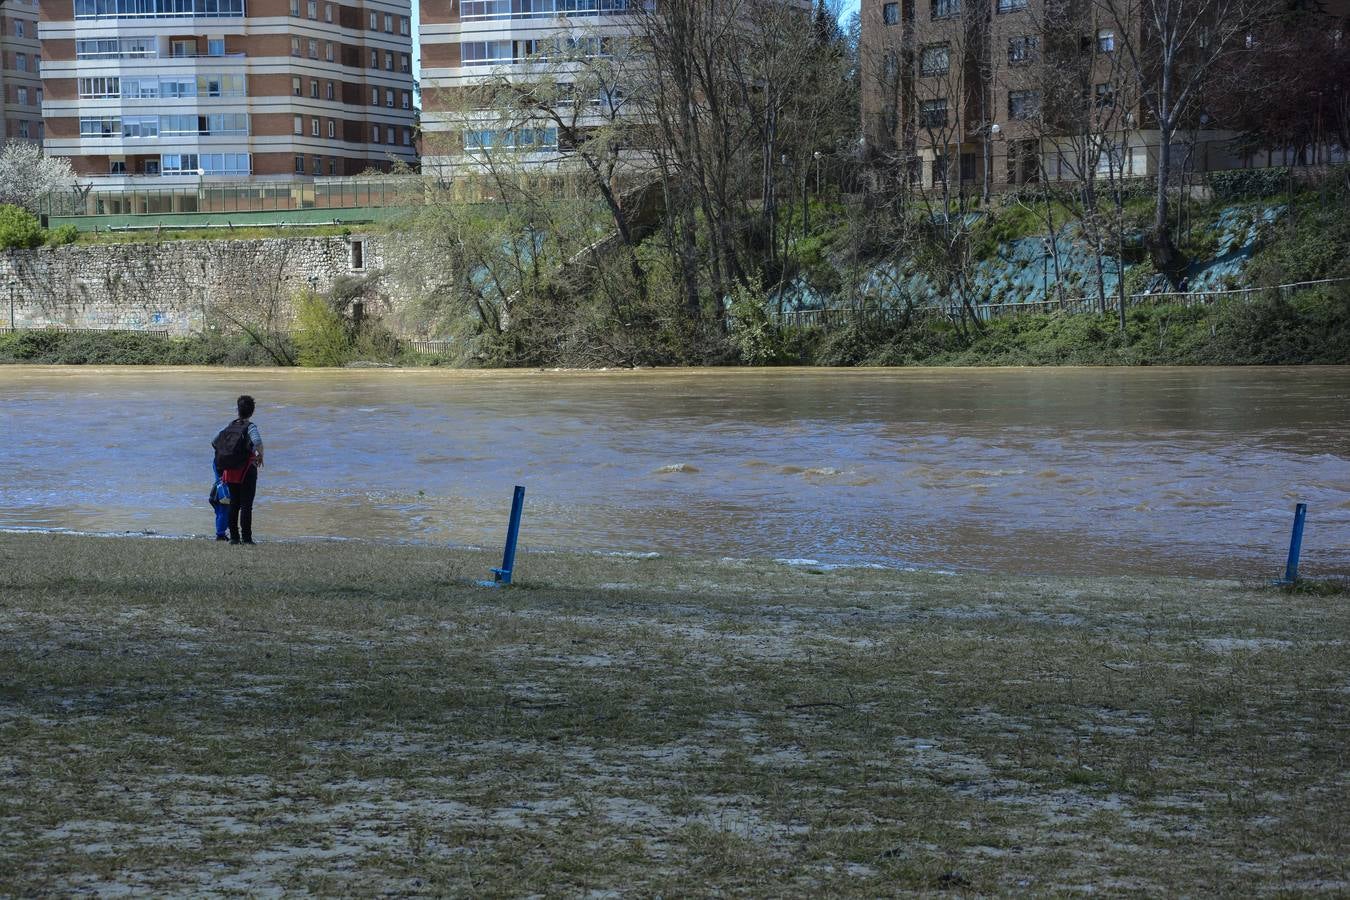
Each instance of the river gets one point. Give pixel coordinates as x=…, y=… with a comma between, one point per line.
x=1054, y=471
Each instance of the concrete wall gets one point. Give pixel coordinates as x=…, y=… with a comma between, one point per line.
x=172, y=285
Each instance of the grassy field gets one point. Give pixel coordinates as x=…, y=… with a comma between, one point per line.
x=348, y=718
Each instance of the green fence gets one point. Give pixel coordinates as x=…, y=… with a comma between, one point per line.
x=219, y=198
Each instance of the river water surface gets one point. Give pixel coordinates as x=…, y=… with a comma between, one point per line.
x=1194, y=471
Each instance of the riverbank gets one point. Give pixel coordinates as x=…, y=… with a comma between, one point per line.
x=357, y=718
x=1311, y=329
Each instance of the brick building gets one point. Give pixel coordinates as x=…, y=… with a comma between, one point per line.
x=188, y=89
x=20, y=77
x=1006, y=92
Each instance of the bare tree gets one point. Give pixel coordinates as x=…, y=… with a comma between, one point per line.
x=1174, y=48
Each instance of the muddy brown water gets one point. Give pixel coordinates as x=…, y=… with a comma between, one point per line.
x=1059, y=471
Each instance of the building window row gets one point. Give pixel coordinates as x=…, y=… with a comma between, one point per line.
x=141, y=127
x=19, y=95
x=117, y=48
x=302, y=47
x=512, y=139
x=479, y=10
x=20, y=61
x=495, y=53
x=149, y=88
x=318, y=127
x=311, y=11
x=159, y=9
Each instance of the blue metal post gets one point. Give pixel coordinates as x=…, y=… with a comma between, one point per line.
x=503, y=575
x=1295, y=545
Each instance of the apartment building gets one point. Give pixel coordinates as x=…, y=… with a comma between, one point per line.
x=996, y=91
x=466, y=43
x=185, y=90
x=20, y=71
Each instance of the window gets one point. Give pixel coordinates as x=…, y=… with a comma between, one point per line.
x=318, y=165
x=389, y=97
x=933, y=113
x=215, y=47
x=23, y=128
x=967, y=166
x=374, y=96
x=299, y=165
x=332, y=166
x=140, y=126
x=328, y=12
x=939, y=169
x=374, y=59
x=314, y=127
x=388, y=61
x=374, y=21
x=18, y=27
x=117, y=48
x=1106, y=41
x=314, y=88
x=943, y=9
x=299, y=124
x=117, y=167
x=21, y=62
x=295, y=7
x=1022, y=50
x=1023, y=104
x=1105, y=95
x=332, y=129
x=182, y=49
x=23, y=96
x=407, y=137
x=407, y=99
x=388, y=23
x=328, y=50
x=312, y=9
x=177, y=88
x=329, y=92
x=403, y=63
x=935, y=60
x=313, y=49
x=890, y=14
x=1007, y=6
x=295, y=46
x=389, y=134
x=403, y=25
x=38, y=100
x=100, y=127
x=295, y=86
x=486, y=53
x=374, y=134
x=99, y=87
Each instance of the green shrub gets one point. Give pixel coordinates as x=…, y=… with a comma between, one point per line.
x=65, y=234
x=19, y=229
x=321, y=334
x=1248, y=184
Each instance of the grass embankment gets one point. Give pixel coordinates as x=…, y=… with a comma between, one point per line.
x=358, y=719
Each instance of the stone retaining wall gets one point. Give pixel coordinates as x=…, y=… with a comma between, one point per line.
x=172, y=285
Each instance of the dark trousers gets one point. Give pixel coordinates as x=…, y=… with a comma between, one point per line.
x=241, y=505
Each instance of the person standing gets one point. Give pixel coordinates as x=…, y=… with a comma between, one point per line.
x=239, y=454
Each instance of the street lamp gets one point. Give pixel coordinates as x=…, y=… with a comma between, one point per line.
x=991, y=131
x=816, y=156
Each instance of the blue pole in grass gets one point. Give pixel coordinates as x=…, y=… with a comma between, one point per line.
x=1295, y=545
x=503, y=575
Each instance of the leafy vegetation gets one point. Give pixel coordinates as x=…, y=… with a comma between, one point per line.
x=19, y=229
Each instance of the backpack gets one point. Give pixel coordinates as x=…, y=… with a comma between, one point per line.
x=234, y=448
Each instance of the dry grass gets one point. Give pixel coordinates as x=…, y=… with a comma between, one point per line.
x=343, y=718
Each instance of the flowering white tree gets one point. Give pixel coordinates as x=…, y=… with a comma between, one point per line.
x=26, y=176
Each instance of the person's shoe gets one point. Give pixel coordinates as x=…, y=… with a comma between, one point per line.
x=222, y=537
x=234, y=541
x=248, y=541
